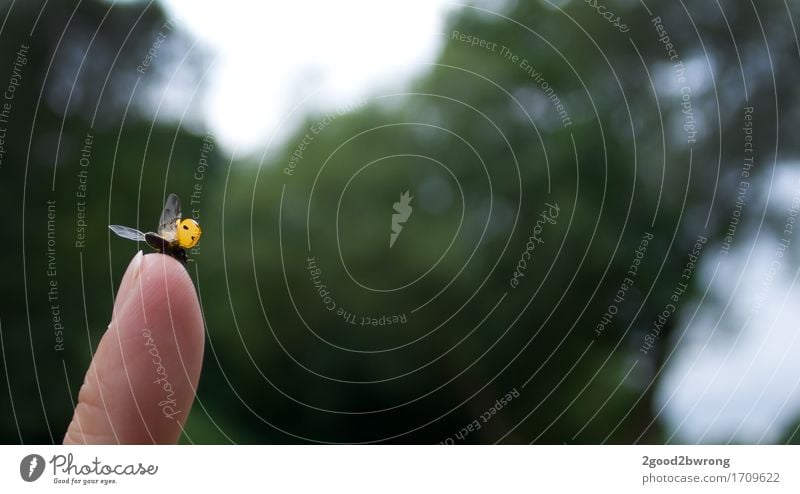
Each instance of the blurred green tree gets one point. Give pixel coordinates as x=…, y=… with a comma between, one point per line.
x=549, y=106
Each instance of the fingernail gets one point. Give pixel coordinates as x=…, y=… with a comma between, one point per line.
x=129, y=283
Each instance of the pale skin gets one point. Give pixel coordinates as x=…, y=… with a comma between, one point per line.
x=142, y=380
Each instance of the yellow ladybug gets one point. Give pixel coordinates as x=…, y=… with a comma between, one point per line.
x=174, y=236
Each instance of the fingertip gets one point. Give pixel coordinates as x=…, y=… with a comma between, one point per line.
x=143, y=377
x=171, y=272
x=169, y=295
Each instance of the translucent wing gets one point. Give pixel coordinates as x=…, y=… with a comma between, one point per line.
x=171, y=213
x=127, y=232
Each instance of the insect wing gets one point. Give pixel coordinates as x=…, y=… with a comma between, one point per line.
x=127, y=232
x=156, y=242
x=170, y=215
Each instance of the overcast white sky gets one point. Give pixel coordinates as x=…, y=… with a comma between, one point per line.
x=737, y=376
x=271, y=56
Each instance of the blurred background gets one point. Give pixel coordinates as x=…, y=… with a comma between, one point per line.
x=513, y=222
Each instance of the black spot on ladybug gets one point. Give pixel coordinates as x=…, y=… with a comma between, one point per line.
x=185, y=227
